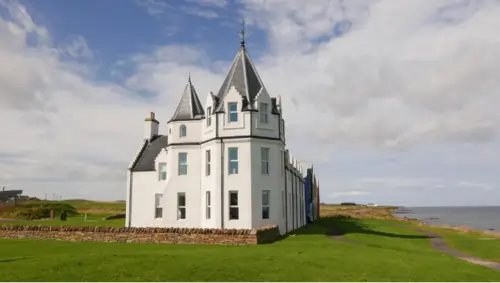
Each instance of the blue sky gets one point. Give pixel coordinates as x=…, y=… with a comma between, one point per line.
x=394, y=101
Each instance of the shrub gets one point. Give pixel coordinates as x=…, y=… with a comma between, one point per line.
x=348, y=204
x=116, y=216
x=39, y=210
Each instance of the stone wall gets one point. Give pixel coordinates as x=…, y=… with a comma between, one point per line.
x=143, y=235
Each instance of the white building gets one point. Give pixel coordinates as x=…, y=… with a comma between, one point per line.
x=221, y=164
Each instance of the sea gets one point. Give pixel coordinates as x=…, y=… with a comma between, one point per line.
x=475, y=217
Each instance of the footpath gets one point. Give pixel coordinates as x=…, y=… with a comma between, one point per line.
x=437, y=243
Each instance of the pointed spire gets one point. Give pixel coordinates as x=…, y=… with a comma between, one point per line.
x=189, y=107
x=242, y=33
x=243, y=77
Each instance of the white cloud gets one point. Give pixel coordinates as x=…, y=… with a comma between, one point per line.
x=380, y=75
x=197, y=8
x=216, y=3
x=197, y=11
x=153, y=7
x=340, y=195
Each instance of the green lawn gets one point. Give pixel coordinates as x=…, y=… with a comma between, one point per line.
x=88, y=204
x=92, y=220
x=386, y=253
x=475, y=244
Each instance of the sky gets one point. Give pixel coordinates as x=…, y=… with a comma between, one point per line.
x=395, y=102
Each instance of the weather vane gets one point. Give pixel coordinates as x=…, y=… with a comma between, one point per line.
x=243, y=33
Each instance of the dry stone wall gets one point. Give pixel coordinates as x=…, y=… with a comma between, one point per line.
x=143, y=235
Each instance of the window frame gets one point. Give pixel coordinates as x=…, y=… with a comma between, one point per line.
x=283, y=204
x=234, y=206
x=232, y=161
x=264, y=160
x=232, y=113
x=160, y=171
x=182, y=131
x=264, y=112
x=158, y=206
x=208, y=205
x=282, y=162
x=208, y=162
x=266, y=207
x=180, y=164
x=180, y=207
x=209, y=116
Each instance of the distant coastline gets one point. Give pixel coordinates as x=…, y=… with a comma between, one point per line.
x=479, y=218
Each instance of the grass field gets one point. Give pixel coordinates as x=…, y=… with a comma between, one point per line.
x=385, y=251
x=97, y=207
x=472, y=243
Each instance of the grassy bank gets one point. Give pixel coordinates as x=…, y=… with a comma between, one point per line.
x=385, y=253
x=83, y=213
x=385, y=250
x=482, y=244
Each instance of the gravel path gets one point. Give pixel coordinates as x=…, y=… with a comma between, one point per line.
x=439, y=244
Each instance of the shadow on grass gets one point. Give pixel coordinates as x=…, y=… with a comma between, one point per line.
x=16, y=259
x=341, y=225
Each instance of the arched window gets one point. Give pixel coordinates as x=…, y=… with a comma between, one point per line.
x=183, y=131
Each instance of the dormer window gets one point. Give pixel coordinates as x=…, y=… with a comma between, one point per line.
x=233, y=111
x=264, y=110
x=209, y=116
x=182, y=131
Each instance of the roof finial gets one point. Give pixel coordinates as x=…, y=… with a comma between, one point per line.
x=189, y=77
x=242, y=33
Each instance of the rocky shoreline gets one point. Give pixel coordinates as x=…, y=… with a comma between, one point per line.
x=489, y=232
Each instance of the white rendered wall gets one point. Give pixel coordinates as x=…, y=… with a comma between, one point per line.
x=193, y=131
x=212, y=184
x=189, y=184
x=145, y=186
x=239, y=128
x=241, y=182
x=274, y=182
x=249, y=182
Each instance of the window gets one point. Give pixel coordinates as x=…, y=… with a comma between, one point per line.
x=162, y=171
x=183, y=166
x=182, y=131
x=283, y=204
x=281, y=162
x=158, y=206
x=233, y=160
x=263, y=110
x=233, y=111
x=264, y=157
x=207, y=162
x=208, y=205
x=181, y=206
x=233, y=206
x=209, y=116
x=265, y=204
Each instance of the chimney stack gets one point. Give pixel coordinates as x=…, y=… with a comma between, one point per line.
x=151, y=126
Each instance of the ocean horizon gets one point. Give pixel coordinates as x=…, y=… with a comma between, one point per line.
x=475, y=217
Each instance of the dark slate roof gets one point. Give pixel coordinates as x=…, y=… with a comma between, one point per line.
x=189, y=108
x=11, y=193
x=150, y=150
x=244, y=77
